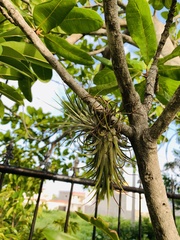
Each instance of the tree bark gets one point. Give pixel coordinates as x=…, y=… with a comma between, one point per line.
x=144, y=140
x=158, y=205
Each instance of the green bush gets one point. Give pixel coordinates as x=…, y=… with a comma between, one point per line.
x=129, y=231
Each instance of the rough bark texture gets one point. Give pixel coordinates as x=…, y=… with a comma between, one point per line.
x=144, y=140
x=158, y=205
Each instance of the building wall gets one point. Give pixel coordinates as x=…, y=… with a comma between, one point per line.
x=85, y=202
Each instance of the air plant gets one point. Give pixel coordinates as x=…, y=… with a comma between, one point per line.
x=101, y=142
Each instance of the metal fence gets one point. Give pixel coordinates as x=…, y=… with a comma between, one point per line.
x=45, y=175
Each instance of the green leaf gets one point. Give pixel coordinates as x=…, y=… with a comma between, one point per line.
x=17, y=61
x=43, y=74
x=50, y=14
x=9, y=211
x=25, y=87
x=157, y=4
x=167, y=3
x=31, y=110
x=15, y=32
x=106, y=62
x=172, y=72
x=81, y=20
x=105, y=81
x=1, y=109
x=106, y=76
x=167, y=87
x=103, y=89
x=62, y=48
x=140, y=88
x=136, y=64
x=28, y=51
x=141, y=28
x=175, y=53
x=1, y=49
x=11, y=93
x=86, y=217
x=17, y=65
x=10, y=73
x=82, y=1
x=102, y=225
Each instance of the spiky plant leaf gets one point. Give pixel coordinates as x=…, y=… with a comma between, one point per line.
x=101, y=142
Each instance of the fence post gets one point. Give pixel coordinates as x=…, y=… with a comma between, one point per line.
x=36, y=211
x=68, y=209
x=173, y=202
x=119, y=213
x=140, y=219
x=8, y=156
x=95, y=215
x=75, y=168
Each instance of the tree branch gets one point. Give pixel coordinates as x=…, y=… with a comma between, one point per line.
x=96, y=51
x=65, y=76
x=131, y=100
x=152, y=74
x=102, y=32
x=73, y=38
x=167, y=116
x=6, y=15
x=122, y=5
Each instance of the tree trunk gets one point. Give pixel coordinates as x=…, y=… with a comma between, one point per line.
x=159, y=208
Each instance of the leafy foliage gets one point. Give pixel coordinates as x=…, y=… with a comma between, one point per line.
x=24, y=63
x=98, y=222
x=141, y=28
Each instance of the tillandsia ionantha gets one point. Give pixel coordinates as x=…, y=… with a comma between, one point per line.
x=102, y=143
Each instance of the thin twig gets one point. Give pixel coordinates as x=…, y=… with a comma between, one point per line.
x=96, y=51
x=152, y=74
x=93, y=6
x=6, y=15
x=73, y=38
x=53, y=144
x=166, y=116
x=122, y=5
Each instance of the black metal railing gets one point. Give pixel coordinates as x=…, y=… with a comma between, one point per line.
x=45, y=175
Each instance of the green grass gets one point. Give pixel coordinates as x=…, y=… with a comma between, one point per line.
x=128, y=232
x=178, y=224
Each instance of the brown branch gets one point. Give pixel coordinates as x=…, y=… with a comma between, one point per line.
x=63, y=73
x=152, y=74
x=96, y=51
x=102, y=32
x=130, y=97
x=6, y=15
x=116, y=45
x=73, y=38
x=167, y=116
x=53, y=145
x=128, y=39
x=122, y=5
x=93, y=6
